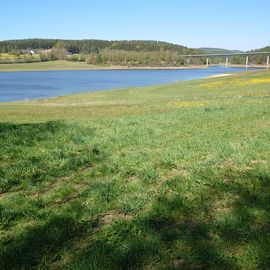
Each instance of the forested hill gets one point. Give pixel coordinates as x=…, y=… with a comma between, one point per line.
x=217, y=50
x=93, y=46
x=265, y=49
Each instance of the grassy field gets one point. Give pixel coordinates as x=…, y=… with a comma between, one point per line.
x=71, y=65
x=50, y=65
x=164, y=177
x=10, y=59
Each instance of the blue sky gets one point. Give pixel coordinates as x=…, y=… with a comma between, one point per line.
x=232, y=24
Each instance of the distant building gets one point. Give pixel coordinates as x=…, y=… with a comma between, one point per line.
x=28, y=51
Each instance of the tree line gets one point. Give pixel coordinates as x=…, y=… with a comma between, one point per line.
x=92, y=45
x=125, y=52
x=103, y=52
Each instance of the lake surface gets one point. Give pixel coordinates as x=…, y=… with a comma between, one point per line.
x=43, y=84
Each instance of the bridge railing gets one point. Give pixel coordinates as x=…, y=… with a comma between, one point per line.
x=227, y=55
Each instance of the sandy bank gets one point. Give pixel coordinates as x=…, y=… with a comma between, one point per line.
x=220, y=75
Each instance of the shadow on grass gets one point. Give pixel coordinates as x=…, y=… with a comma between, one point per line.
x=225, y=225
x=32, y=153
x=181, y=234
x=40, y=244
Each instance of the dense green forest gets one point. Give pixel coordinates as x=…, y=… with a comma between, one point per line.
x=259, y=59
x=92, y=45
x=124, y=53
x=104, y=52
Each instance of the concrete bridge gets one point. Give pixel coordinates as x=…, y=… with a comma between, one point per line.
x=227, y=55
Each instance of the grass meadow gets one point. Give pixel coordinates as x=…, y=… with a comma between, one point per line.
x=36, y=65
x=49, y=65
x=164, y=177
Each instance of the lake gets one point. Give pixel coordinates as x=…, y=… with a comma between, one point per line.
x=44, y=84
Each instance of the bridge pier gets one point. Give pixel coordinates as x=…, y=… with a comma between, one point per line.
x=246, y=62
x=187, y=57
x=227, y=61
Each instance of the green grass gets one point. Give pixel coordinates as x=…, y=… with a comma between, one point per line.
x=8, y=60
x=51, y=65
x=164, y=177
x=72, y=65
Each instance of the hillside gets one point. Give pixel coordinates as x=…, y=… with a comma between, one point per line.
x=125, y=53
x=264, y=49
x=217, y=50
x=95, y=52
x=92, y=45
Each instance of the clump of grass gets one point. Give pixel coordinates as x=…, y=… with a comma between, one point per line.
x=43, y=152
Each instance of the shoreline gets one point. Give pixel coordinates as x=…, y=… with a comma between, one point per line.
x=220, y=75
x=21, y=101
x=62, y=65
x=81, y=66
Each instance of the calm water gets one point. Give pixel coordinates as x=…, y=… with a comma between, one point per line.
x=43, y=84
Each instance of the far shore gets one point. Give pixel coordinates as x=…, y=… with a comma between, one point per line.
x=68, y=65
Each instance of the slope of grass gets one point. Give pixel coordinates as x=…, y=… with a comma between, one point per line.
x=73, y=65
x=166, y=177
x=50, y=65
